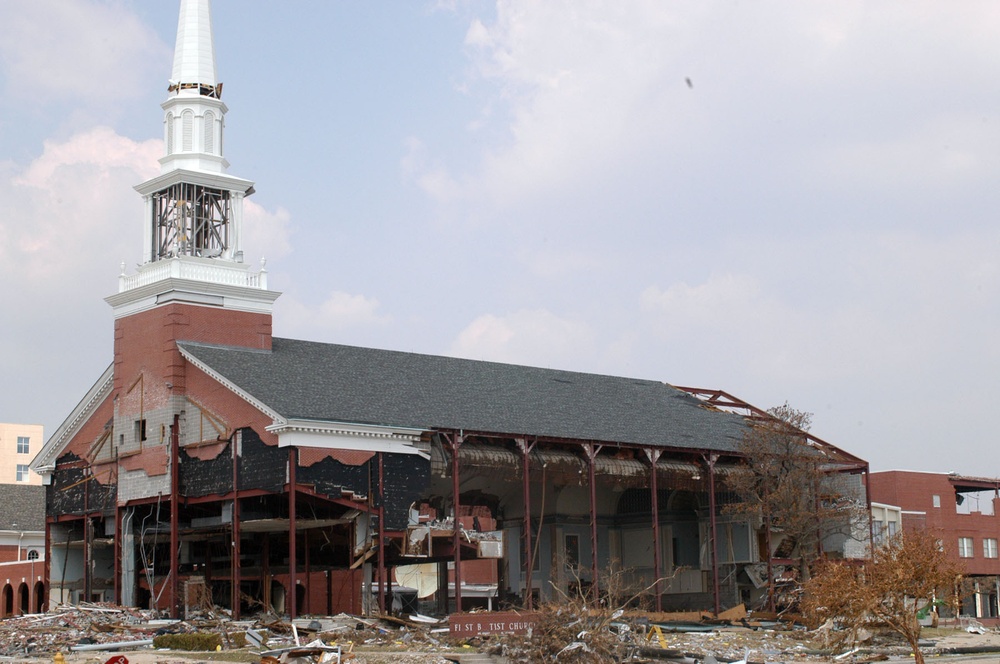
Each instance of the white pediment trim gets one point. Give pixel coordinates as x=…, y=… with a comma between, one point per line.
x=45, y=461
x=349, y=436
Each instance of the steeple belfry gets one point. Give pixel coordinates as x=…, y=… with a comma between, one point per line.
x=193, y=229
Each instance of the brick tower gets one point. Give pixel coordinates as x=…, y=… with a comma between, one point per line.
x=192, y=284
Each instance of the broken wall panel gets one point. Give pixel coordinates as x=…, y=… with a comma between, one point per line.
x=74, y=491
x=407, y=478
x=331, y=477
x=261, y=466
x=206, y=477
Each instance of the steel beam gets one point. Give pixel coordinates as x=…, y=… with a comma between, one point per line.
x=529, y=559
x=234, y=549
x=456, y=440
x=713, y=531
x=653, y=455
x=591, y=451
x=381, y=536
x=175, y=506
x=293, y=562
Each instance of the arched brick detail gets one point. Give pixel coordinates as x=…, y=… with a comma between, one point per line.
x=38, y=598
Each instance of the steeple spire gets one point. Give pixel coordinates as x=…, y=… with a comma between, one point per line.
x=194, y=52
x=195, y=114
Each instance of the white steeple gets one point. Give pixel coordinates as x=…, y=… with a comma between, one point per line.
x=194, y=209
x=194, y=53
x=194, y=113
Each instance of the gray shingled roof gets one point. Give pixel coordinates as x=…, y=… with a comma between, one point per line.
x=24, y=507
x=329, y=382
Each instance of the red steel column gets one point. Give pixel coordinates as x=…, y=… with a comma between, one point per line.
x=381, y=537
x=292, y=562
x=713, y=534
x=117, y=543
x=868, y=502
x=654, y=456
x=234, y=550
x=456, y=442
x=771, y=606
x=87, y=564
x=47, y=569
x=175, y=506
x=591, y=451
x=526, y=491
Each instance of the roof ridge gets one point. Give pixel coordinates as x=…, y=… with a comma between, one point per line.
x=475, y=361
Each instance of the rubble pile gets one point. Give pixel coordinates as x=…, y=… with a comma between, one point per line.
x=82, y=625
x=569, y=632
x=97, y=627
x=726, y=643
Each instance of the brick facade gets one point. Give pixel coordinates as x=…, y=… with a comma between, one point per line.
x=969, y=536
x=915, y=493
x=146, y=341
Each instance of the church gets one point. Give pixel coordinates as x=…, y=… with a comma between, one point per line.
x=213, y=463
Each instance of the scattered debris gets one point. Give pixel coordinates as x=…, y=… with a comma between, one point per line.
x=567, y=632
x=974, y=626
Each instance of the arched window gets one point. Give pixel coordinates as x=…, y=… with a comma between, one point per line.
x=33, y=554
x=639, y=502
x=210, y=132
x=187, y=131
x=170, y=133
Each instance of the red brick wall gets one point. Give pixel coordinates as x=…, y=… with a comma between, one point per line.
x=235, y=412
x=92, y=428
x=914, y=491
x=477, y=571
x=144, y=342
x=8, y=553
x=338, y=591
x=17, y=578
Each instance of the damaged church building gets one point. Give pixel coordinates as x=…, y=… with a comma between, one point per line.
x=213, y=462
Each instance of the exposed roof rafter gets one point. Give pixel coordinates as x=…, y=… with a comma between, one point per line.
x=722, y=400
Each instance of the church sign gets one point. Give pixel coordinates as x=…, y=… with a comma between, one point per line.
x=482, y=624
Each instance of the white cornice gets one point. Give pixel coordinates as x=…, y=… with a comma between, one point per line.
x=179, y=160
x=193, y=280
x=197, y=293
x=348, y=436
x=409, y=434
x=44, y=461
x=195, y=101
x=215, y=180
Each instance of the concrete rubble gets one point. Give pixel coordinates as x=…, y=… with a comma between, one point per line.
x=561, y=634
